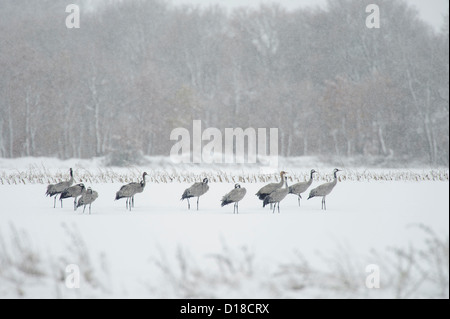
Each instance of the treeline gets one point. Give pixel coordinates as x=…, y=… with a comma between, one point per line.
x=135, y=70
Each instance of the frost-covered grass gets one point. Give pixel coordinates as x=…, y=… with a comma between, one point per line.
x=163, y=170
x=37, y=174
x=408, y=272
x=29, y=271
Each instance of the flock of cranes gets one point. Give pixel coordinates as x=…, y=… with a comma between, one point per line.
x=272, y=193
x=66, y=190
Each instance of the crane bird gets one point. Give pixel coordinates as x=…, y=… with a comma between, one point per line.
x=128, y=191
x=269, y=188
x=300, y=188
x=196, y=190
x=55, y=189
x=87, y=199
x=235, y=196
x=277, y=196
x=324, y=189
x=73, y=192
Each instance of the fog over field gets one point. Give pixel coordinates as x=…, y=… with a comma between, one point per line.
x=136, y=70
x=324, y=124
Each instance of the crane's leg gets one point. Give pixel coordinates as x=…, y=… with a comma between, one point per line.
x=275, y=206
x=84, y=209
x=299, y=197
x=127, y=202
x=54, y=204
x=324, y=207
x=132, y=198
x=198, y=198
x=278, y=207
x=75, y=204
x=189, y=204
x=90, y=205
x=237, y=207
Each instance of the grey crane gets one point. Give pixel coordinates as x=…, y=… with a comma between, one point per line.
x=87, y=199
x=196, y=190
x=128, y=191
x=235, y=196
x=269, y=188
x=55, y=189
x=324, y=189
x=277, y=196
x=73, y=192
x=300, y=188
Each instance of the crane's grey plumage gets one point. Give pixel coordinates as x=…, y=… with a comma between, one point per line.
x=55, y=189
x=128, y=191
x=324, y=189
x=196, y=190
x=269, y=188
x=300, y=188
x=73, y=192
x=235, y=196
x=87, y=199
x=277, y=196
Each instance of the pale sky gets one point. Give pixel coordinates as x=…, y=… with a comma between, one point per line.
x=432, y=11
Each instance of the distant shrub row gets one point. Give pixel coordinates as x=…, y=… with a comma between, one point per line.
x=40, y=175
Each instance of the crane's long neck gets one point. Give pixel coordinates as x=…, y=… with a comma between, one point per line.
x=335, y=178
x=143, y=181
x=281, y=183
x=71, y=177
x=286, y=184
x=311, y=178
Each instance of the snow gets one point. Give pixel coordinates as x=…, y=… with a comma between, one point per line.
x=124, y=248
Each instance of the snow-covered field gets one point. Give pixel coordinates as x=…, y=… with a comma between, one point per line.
x=162, y=250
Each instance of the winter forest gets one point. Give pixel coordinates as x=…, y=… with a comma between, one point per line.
x=135, y=70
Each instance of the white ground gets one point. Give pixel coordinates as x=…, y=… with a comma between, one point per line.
x=213, y=253
x=162, y=250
